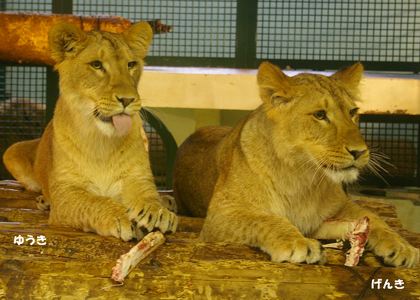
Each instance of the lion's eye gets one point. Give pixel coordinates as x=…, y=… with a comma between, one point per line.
x=320, y=114
x=96, y=64
x=353, y=112
x=132, y=64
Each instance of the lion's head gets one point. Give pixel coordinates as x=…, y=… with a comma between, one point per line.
x=99, y=73
x=317, y=117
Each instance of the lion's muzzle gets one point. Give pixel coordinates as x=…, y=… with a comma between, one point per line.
x=125, y=101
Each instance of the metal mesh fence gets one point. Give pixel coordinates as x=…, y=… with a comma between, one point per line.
x=384, y=35
x=383, y=31
x=28, y=6
x=22, y=93
x=397, y=137
x=200, y=28
x=22, y=107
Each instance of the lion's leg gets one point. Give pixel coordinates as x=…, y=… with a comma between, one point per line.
x=42, y=203
x=71, y=206
x=334, y=229
x=169, y=203
x=19, y=160
x=145, y=206
x=144, y=138
x=271, y=233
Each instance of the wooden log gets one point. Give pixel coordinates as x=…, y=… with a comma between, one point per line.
x=12, y=189
x=23, y=215
x=380, y=208
x=69, y=242
x=75, y=245
x=159, y=277
x=24, y=36
x=393, y=222
x=76, y=264
x=18, y=203
x=387, y=211
x=391, y=193
x=182, y=269
x=14, y=195
x=59, y=242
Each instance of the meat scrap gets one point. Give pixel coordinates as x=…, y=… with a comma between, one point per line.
x=357, y=234
x=358, y=238
x=127, y=262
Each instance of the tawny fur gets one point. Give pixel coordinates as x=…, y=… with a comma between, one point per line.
x=273, y=180
x=95, y=177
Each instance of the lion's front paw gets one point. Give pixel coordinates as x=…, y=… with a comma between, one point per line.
x=303, y=250
x=152, y=215
x=169, y=203
x=42, y=203
x=395, y=251
x=127, y=230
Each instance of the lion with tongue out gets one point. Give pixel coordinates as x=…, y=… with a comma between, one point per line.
x=91, y=163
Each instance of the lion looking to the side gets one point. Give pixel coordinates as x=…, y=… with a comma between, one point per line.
x=91, y=164
x=273, y=180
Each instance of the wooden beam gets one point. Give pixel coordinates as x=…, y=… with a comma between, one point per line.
x=24, y=36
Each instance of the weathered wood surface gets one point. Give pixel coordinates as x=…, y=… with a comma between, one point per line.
x=78, y=265
x=24, y=36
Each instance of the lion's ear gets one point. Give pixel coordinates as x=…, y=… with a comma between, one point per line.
x=65, y=38
x=350, y=76
x=275, y=86
x=139, y=37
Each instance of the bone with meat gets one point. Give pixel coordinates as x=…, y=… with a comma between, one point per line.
x=356, y=231
x=127, y=262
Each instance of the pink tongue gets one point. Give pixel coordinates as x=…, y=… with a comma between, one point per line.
x=123, y=123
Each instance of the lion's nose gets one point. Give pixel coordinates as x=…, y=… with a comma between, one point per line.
x=356, y=153
x=125, y=101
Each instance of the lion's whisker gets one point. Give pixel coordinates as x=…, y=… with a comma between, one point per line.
x=309, y=161
x=380, y=157
x=320, y=164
